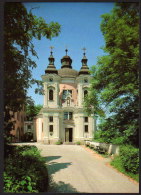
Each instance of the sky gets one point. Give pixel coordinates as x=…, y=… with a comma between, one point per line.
x=80, y=27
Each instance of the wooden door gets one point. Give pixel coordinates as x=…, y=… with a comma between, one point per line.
x=66, y=134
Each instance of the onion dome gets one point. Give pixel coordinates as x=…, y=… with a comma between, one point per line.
x=51, y=69
x=84, y=69
x=66, y=61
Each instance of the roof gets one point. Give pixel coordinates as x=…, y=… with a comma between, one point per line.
x=67, y=72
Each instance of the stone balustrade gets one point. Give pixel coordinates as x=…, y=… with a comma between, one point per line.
x=109, y=148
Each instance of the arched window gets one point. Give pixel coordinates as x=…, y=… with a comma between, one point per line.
x=50, y=79
x=85, y=93
x=50, y=94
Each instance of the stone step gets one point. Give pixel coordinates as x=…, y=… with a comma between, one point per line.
x=69, y=143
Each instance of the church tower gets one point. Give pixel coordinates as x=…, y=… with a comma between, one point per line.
x=51, y=84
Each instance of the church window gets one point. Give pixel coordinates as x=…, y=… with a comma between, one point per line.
x=66, y=93
x=50, y=94
x=85, y=80
x=86, y=119
x=29, y=127
x=50, y=79
x=65, y=115
x=50, y=118
x=51, y=128
x=86, y=128
x=68, y=115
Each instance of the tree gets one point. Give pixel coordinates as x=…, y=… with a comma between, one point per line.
x=115, y=83
x=32, y=111
x=20, y=27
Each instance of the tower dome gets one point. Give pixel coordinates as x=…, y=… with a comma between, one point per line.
x=51, y=68
x=66, y=61
x=84, y=69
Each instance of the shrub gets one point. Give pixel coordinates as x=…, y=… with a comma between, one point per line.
x=78, y=143
x=27, y=137
x=13, y=185
x=130, y=158
x=26, y=170
x=118, y=140
x=117, y=163
x=58, y=142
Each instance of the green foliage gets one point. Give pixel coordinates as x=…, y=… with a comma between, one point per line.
x=58, y=142
x=78, y=143
x=115, y=84
x=32, y=110
x=20, y=28
x=106, y=136
x=25, y=185
x=130, y=158
x=117, y=163
x=97, y=136
x=25, y=170
x=28, y=136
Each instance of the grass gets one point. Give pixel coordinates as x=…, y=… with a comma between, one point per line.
x=116, y=163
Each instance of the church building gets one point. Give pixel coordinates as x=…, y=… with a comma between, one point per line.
x=62, y=117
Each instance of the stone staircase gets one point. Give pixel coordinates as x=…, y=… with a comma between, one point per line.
x=68, y=143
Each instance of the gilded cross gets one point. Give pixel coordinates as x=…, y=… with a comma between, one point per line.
x=51, y=48
x=84, y=49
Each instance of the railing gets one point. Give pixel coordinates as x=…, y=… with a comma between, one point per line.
x=103, y=147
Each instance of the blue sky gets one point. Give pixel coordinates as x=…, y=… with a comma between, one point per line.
x=80, y=27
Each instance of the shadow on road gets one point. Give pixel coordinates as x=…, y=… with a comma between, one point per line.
x=50, y=158
x=60, y=187
x=54, y=167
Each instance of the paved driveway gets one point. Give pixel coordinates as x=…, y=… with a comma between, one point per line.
x=74, y=169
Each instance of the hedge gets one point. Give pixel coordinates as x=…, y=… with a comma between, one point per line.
x=25, y=171
x=129, y=156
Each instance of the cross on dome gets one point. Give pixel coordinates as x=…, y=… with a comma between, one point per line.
x=51, y=48
x=84, y=49
x=66, y=50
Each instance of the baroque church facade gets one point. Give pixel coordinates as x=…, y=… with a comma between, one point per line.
x=62, y=117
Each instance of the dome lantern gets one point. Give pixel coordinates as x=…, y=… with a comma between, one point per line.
x=84, y=69
x=51, y=67
x=66, y=61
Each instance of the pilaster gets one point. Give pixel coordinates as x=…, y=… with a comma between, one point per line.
x=80, y=95
x=45, y=95
x=46, y=130
x=91, y=126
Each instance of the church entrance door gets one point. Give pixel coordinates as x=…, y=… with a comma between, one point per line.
x=68, y=134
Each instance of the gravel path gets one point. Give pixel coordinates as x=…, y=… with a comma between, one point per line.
x=75, y=169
